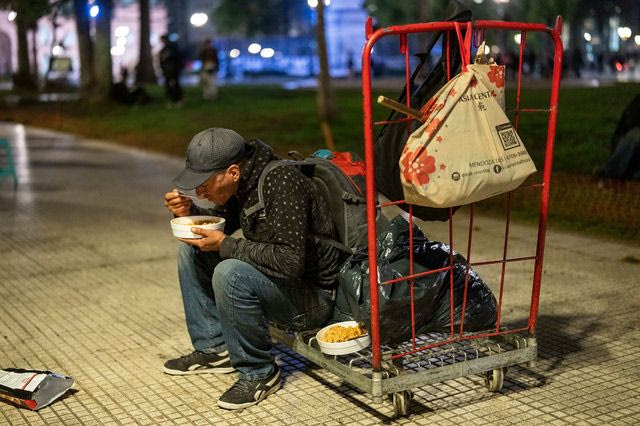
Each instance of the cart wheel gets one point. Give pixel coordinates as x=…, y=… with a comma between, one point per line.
x=401, y=402
x=494, y=379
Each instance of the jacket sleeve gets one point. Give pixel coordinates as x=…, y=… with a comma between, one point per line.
x=287, y=215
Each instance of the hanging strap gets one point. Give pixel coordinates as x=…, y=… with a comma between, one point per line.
x=464, y=44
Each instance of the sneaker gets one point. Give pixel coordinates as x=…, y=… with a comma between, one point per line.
x=198, y=363
x=245, y=393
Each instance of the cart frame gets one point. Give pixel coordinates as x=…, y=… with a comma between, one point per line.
x=436, y=358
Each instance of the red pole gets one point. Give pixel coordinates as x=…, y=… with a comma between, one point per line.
x=548, y=162
x=371, y=199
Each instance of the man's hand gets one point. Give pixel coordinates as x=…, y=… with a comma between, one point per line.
x=178, y=205
x=212, y=238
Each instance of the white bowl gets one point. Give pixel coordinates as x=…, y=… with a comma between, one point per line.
x=181, y=226
x=342, y=348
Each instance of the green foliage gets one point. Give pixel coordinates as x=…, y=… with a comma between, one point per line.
x=288, y=121
x=253, y=17
x=406, y=11
x=30, y=11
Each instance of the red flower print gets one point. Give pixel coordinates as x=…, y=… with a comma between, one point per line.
x=452, y=92
x=428, y=108
x=496, y=75
x=439, y=138
x=473, y=82
x=433, y=126
x=442, y=166
x=418, y=167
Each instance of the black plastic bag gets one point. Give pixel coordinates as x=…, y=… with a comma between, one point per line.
x=431, y=292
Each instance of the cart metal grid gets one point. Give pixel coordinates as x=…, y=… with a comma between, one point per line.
x=426, y=359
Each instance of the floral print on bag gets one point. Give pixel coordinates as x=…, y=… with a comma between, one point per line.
x=417, y=168
x=496, y=75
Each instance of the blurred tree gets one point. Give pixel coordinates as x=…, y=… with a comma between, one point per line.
x=144, y=71
x=405, y=12
x=325, y=95
x=543, y=10
x=85, y=48
x=27, y=15
x=102, y=52
x=253, y=17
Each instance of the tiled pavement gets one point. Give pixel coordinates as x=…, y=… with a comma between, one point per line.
x=88, y=288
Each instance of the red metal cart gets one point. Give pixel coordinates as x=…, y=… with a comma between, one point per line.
x=433, y=358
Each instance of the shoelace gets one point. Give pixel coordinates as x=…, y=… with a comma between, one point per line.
x=191, y=355
x=242, y=386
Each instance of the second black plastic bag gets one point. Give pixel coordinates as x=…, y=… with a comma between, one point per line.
x=431, y=292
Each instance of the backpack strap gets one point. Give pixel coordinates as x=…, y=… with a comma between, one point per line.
x=334, y=243
x=260, y=204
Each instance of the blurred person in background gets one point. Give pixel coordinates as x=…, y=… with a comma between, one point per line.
x=171, y=63
x=208, y=55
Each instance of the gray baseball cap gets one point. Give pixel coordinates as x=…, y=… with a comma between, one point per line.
x=210, y=151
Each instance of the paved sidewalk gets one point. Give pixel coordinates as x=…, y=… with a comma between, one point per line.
x=88, y=288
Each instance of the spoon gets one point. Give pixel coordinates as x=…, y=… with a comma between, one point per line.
x=194, y=197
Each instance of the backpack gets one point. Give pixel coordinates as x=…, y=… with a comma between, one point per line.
x=340, y=180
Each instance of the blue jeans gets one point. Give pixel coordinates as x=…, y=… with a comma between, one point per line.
x=228, y=304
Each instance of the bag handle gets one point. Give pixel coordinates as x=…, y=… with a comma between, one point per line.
x=464, y=44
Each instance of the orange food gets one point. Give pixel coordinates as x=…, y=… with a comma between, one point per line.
x=201, y=222
x=340, y=333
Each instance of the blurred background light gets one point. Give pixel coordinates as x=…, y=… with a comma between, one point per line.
x=624, y=33
x=254, y=48
x=198, y=19
x=117, y=50
x=267, y=52
x=121, y=31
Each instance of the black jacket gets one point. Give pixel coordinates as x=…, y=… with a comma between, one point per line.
x=280, y=241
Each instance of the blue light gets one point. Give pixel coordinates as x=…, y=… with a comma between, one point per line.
x=94, y=11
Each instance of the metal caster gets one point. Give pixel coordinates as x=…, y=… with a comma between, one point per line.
x=401, y=402
x=494, y=379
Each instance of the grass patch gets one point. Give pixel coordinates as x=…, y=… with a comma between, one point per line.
x=287, y=120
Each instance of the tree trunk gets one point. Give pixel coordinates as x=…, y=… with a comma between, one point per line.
x=23, y=78
x=102, y=53
x=34, y=54
x=325, y=96
x=144, y=71
x=85, y=47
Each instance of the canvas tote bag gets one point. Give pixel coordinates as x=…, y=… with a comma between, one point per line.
x=467, y=150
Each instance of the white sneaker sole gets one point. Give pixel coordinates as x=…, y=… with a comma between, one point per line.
x=217, y=370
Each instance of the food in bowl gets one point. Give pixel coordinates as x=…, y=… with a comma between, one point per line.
x=339, y=333
x=201, y=222
x=181, y=226
x=356, y=336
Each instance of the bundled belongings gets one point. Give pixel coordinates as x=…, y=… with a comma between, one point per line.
x=392, y=137
x=33, y=389
x=467, y=150
x=431, y=292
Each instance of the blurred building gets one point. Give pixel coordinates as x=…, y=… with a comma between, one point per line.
x=60, y=40
x=607, y=42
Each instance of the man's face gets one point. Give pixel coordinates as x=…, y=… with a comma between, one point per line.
x=221, y=185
